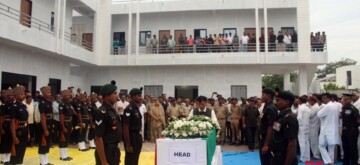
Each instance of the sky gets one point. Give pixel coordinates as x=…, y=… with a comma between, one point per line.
x=341, y=22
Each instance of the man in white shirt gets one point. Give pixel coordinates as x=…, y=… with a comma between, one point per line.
x=304, y=128
x=56, y=119
x=121, y=104
x=356, y=103
x=31, y=109
x=244, y=41
x=335, y=100
x=295, y=106
x=142, y=111
x=314, y=123
x=287, y=41
x=148, y=44
x=329, y=117
x=202, y=110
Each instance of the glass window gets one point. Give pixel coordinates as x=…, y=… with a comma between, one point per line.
x=143, y=35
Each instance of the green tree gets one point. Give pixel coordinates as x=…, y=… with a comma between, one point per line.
x=330, y=68
x=273, y=81
x=332, y=86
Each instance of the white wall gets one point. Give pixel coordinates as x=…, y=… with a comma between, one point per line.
x=341, y=76
x=85, y=20
x=208, y=78
x=213, y=21
x=41, y=9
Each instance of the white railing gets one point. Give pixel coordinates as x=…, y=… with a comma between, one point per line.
x=26, y=20
x=76, y=40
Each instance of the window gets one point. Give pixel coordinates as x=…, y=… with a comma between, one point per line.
x=239, y=91
x=52, y=21
x=96, y=89
x=287, y=29
x=348, y=78
x=143, y=36
x=230, y=30
x=119, y=35
x=156, y=90
x=200, y=33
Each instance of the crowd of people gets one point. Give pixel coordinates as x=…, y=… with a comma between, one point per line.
x=227, y=42
x=277, y=124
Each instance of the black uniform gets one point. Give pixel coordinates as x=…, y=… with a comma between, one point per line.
x=92, y=111
x=75, y=121
x=66, y=110
x=6, y=139
x=285, y=129
x=108, y=126
x=45, y=107
x=132, y=116
x=84, y=111
x=350, y=132
x=20, y=113
x=269, y=117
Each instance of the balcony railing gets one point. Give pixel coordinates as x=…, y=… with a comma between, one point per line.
x=123, y=50
x=76, y=40
x=26, y=20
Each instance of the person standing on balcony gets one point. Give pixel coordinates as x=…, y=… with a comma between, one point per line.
x=280, y=39
x=262, y=42
x=272, y=40
x=210, y=42
x=216, y=43
x=154, y=43
x=294, y=40
x=171, y=44
x=122, y=46
x=182, y=42
x=163, y=43
x=244, y=41
x=235, y=41
x=322, y=40
x=148, y=44
x=191, y=44
x=287, y=41
x=116, y=46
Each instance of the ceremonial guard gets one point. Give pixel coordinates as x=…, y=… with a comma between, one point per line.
x=6, y=139
x=107, y=128
x=92, y=111
x=83, y=123
x=66, y=112
x=46, y=111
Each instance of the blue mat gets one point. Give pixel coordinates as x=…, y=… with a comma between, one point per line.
x=245, y=158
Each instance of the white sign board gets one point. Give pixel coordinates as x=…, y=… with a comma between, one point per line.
x=181, y=152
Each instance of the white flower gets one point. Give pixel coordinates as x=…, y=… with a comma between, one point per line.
x=177, y=134
x=184, y=134
x=195, y=129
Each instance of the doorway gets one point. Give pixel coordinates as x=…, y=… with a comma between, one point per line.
x=239, y=91
x=12, y=79
x=26, y=10
x=190, y=92
x=87, y=41
x=156, y=90
x=95, y=89
x=177, y=36
x=200, y=33
x=55, y=85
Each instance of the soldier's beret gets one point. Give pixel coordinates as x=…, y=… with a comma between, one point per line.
x=135, y=91
x=287, y=96
x=19, y=89
x=201, y=98
x=107, y=89
x=269, y=91
x=45, y=89
x=65, y=92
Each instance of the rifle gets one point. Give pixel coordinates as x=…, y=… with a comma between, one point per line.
x=13, y=150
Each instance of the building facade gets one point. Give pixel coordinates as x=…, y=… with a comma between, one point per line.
x=70, y=43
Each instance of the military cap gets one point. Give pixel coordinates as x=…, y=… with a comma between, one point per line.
x=201, y=98
x=286, y=96
x=19, y=89
x=45, y=89
x=107, y=89
x=8, y=91
x=347, y=95
x=65, y=92
x=135, y=91
x=269, y=91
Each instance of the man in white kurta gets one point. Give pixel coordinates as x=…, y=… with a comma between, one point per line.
x=356, y=103
x=304, y=128
x=314, y=123
x=329, y=134
x=142, y=111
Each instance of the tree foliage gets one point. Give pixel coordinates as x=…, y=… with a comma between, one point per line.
x=277, y=80
x=332, y=86
x=330, y=68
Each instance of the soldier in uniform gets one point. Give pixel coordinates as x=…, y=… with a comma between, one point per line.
x=5, y=140
x=173, y=109
x=351, y=120
x=235, y=111
x=132, y=128
x=92, y=110
x=83, y=115
x=268, y=118
x=157, y=120
x=45, y=108
x=107, y=128
x=76, y=104
x=65, y=111
x=221, y=113
x=18, y=125
x=285, y=130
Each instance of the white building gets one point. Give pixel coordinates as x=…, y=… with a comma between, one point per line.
x=348, y=76
x=69, y=43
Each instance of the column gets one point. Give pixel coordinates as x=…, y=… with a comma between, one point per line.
x=137, y=30
x=303, y=31
x=257, y=30
x=103, y=42
x=57, y=25
x=287, y=83
x=63, y=20
x=266, y=32
x=129, y=32
x=303, y=81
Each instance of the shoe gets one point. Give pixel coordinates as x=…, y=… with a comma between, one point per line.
x=64, y=159
x=83, y=150
x=92, y=147
x=6, y=163
x=49, y=164
x=70, y=158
